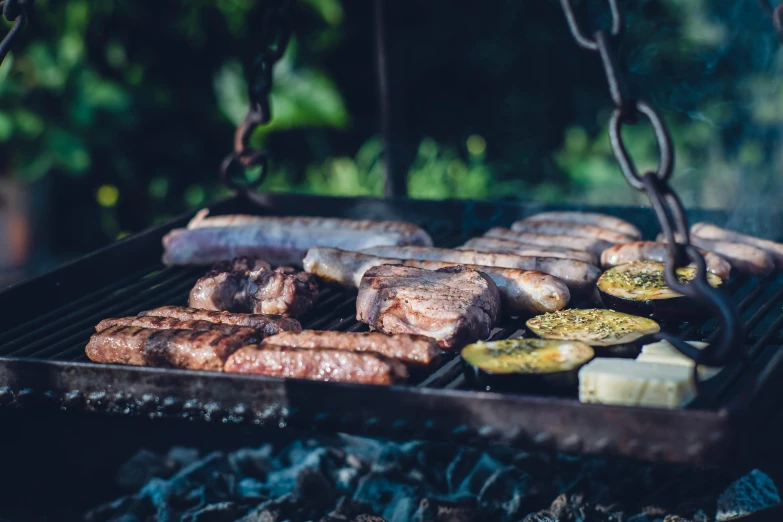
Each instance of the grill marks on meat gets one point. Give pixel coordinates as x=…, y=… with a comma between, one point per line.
x=454, y=305
x=588, y=218
x=257, y=289
x=265, y=324
x=715, y=233
x=281, y=241
x=521, y=291
x=570, y=229
x=317, y=364
x=578, y=275
x=745, y=258
x=589, y=244
x=657, y=252
x=167, y=323
x=192, y=349
x=411, y=349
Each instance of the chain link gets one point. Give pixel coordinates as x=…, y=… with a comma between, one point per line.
x=275, y=32
x=15, y=11
x=776, y=15
x=665, y=203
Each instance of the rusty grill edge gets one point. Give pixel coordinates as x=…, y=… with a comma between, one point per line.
x=47, y=321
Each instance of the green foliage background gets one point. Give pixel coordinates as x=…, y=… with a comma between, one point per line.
x=117, y=113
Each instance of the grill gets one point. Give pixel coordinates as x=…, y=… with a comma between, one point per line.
x=47, y=321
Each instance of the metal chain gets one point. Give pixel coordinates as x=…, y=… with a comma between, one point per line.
x=274, y=34
x=15, y=11
x=776, y=15
x=667, y=206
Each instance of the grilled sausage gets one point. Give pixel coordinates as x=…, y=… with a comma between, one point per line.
x=570, y=229
x=588, y=244
x=266, y=324
x=521, y=291
x=712, y=232
x=745, y=258
x=410, y=349
x=654, y=251
x=168, y=323
x=589, y=218
x=192, y=349
x=578, y=275
x=413, y=235
x=318, y=364
x=503, y=246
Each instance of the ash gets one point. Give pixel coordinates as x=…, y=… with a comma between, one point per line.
x=343, y=478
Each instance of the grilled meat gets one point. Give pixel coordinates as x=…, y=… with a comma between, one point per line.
x=654, y=251
x=410, y=349
x=745, y=258
x=578, y=275
x=453, y=305
x=588, y=218
x=588, y=244
x=167, y=323
x=281, y=241
x=570, y=229
x=192, y=349
x=521, y=291
x=265, y=324
x=503, y=246
x=318, y=364
x=412, y=234
x=239, y=264
x=283, y=291
x=712, y=232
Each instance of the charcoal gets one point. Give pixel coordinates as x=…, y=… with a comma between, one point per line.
x=282, y=481
x=382, y=493
x=179, y=456
x=314, y=490
x=459, y=468
x=477, y=478
x=346, y=509
x=539, y=517
x=368, y=518
x=139, y=469
x=250, y=489
x=133, y=507
x=674, y=518
x=437, y=510
x=251, y=462
x=568, y=507
x=701, y=516
x=218, y=512
x=751, y=493
x=504, y=491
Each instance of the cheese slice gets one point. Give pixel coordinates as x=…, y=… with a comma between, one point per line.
x=633, y=383
x=663, y=352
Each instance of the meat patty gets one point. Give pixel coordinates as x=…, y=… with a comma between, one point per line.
x=578, y=275
x=589, y=218
x=588, y=244
x=317, y=364
x=167, y=323
x=504, y=246
x=454, y=305
x=657, y=252
x=284, y=291
x=410, y=349
x=265, y=324
x=192, y=349
x=413, y=235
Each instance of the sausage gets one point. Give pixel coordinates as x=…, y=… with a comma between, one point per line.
x=503, y=246
x=589, y=218
x=654, y=251
x=587, y=244
x=708, y=231
x=570, y=229
x=578, y=275
x=745, y=258
x=521, y=291
x=413, y=235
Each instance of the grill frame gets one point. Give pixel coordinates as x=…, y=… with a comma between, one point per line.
x=711, y=434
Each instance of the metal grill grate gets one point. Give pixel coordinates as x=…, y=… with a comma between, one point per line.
x=42, y=362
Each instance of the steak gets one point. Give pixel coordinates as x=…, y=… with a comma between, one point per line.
x=317, y=364
x=192, y=349
x=411, y=349
x=453, y=305
x=265, y=324
x=248, y=286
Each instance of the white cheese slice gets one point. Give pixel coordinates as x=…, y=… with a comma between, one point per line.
x=633, y=383
x=663, y=352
